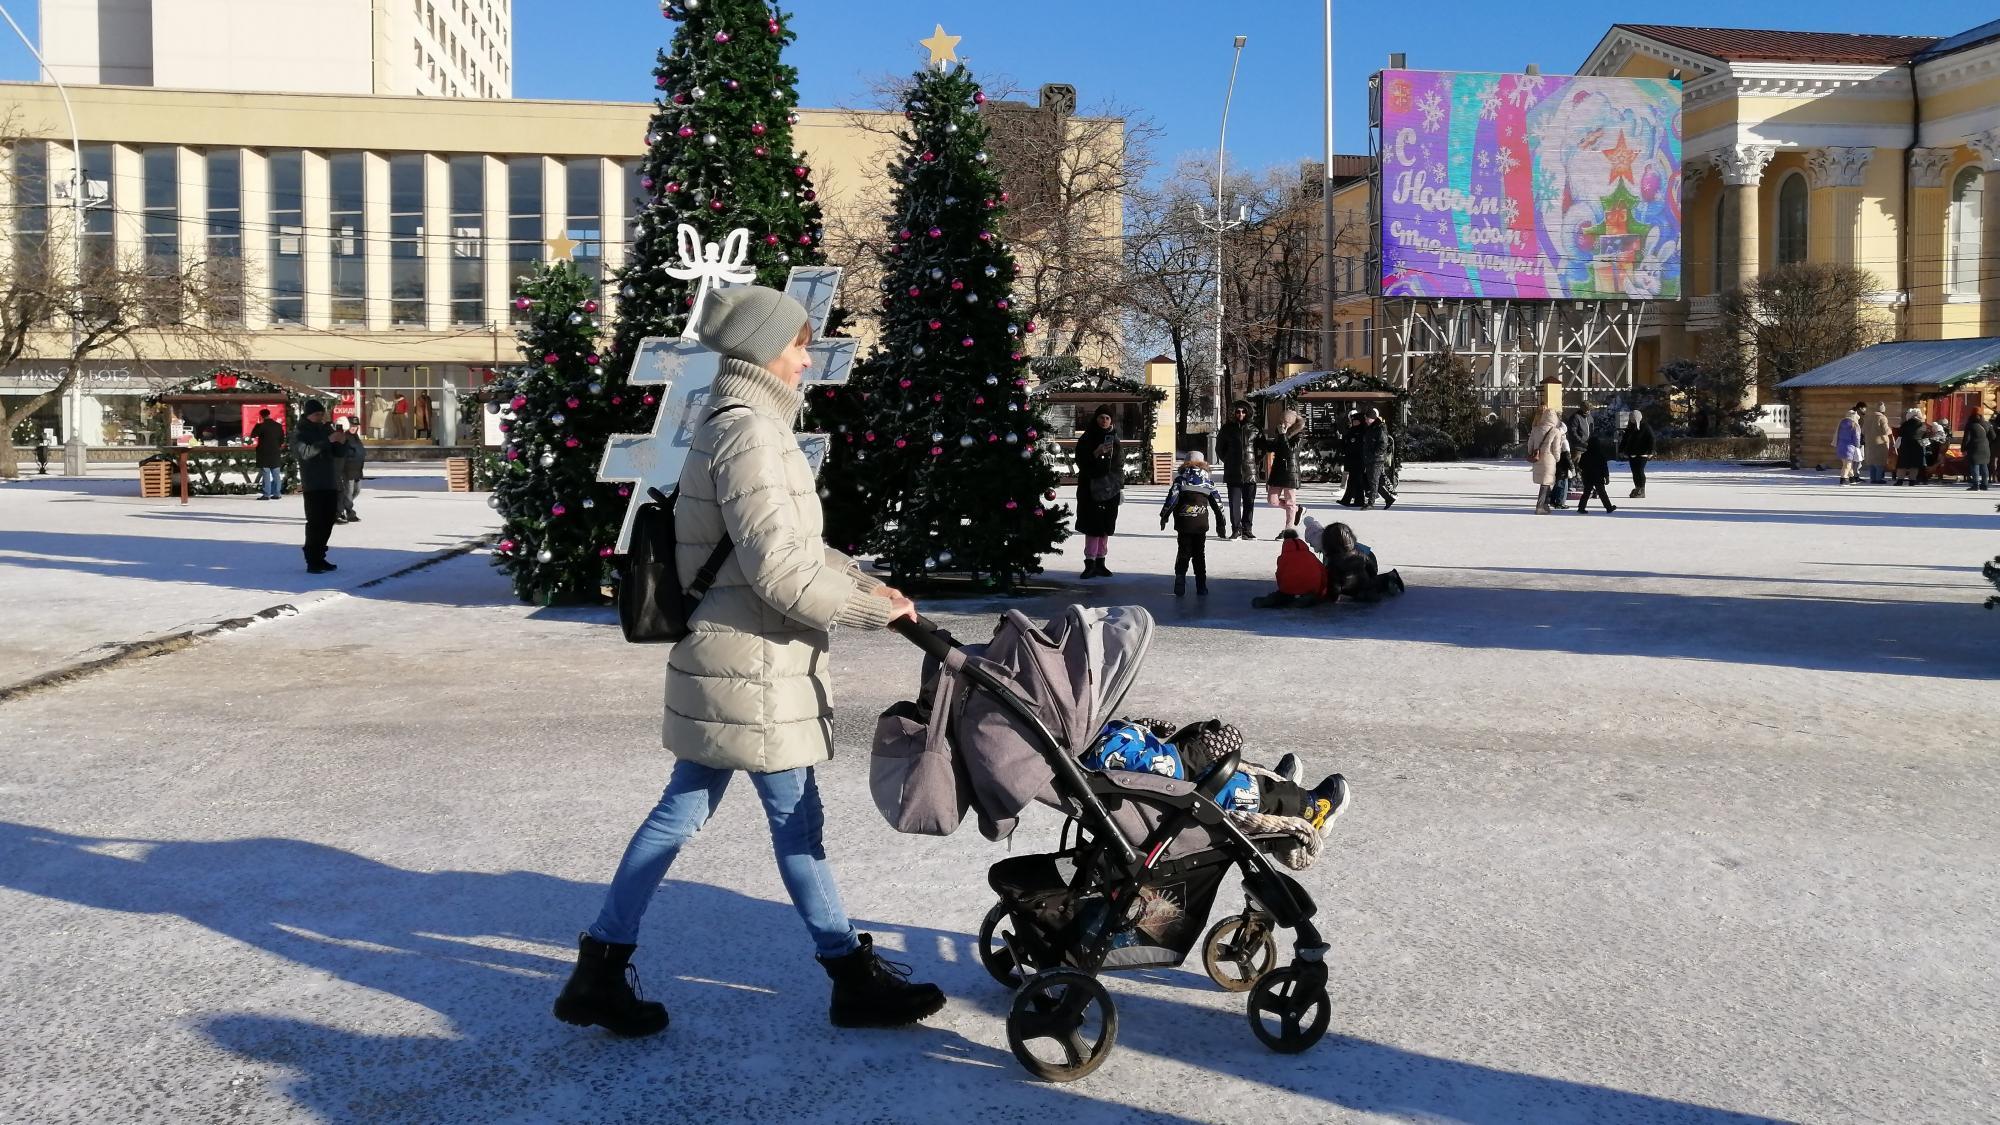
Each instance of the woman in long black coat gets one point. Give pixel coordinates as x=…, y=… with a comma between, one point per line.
x=1100, y=486
x=1910, y=447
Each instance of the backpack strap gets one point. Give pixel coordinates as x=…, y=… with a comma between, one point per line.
x=705, y=577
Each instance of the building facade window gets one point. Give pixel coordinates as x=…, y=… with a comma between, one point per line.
x=225, y=231
x=160, y=169
x=100, y=248
x=1792, y=216
x=1966, y=223
x=468, y=240
x=1368, y=337
x=347, y=190
x=288, y=242
x=524, y=221
x=407, y=289
x=585, y=176
x=30, y=161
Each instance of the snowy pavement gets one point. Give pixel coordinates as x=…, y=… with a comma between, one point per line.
x=86, y=565
x=1680, y=815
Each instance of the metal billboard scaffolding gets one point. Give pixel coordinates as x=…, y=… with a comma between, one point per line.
x=1477, y=259
x=1516, y=346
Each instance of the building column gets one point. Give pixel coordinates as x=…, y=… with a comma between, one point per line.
x=128, y=203
x=1924, y=244
x=615, y=218
x=1835, y=175
x=437, y=243
x=1987, y=145
x=256, y=239
x=375, y=239
x=1742, y=171
x=499, y=285
x=317, y=184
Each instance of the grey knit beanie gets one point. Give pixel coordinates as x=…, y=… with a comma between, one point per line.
x=750, y=323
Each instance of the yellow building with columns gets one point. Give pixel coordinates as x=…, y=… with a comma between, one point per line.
x=1882, y=151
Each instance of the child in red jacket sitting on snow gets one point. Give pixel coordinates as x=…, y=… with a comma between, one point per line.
x=1301, y=576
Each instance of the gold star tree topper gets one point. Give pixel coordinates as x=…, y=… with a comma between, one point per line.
x=943, y=48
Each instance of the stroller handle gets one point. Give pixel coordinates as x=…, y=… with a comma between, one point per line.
x=925, y=634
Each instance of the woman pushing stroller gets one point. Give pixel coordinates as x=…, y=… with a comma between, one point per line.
x=747, y=689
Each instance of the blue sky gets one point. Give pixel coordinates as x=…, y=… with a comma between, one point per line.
x=1167, y=58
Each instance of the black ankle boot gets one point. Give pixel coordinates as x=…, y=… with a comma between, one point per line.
x=871, y=992
x=602, y=992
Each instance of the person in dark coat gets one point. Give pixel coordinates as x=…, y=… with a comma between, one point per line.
x=1351, y=569
x=1378, y=451
x=1280, y=448
x=1910, y=447
x=353, y=461
x=1236, y=451
x=1596, y=472
x=1189, y=502
x=1352, y=463
x=1100, y=487
x=1635, y=445
x=1977, y=445
x=318, y=450
x=270, y=439
x=1576, y=432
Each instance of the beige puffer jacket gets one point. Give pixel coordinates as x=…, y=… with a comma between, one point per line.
x=1547, y=444
x=748, y=688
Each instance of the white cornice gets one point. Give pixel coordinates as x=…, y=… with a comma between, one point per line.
x=1801, y=80
x=1960, y=69
x=1948, y=132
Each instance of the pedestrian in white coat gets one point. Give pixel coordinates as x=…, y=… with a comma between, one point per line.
x=747, y=689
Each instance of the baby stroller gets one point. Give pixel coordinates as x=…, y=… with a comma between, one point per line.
x=1139, y=862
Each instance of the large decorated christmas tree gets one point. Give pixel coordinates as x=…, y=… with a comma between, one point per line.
x=938, y=463
x=719, y=156
x=557, y=409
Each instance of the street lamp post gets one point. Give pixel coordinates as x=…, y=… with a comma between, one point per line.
x=1222, y=225
x=75, y=453
x=1330, y=293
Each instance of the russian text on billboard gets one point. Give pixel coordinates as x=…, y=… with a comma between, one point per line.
x=1530, y=186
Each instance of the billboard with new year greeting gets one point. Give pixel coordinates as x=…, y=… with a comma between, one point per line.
x=1530, y=186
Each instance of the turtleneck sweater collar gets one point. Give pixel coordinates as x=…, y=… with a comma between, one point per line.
x=746, y=382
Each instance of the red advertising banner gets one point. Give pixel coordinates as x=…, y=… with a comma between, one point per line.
x=347, y=402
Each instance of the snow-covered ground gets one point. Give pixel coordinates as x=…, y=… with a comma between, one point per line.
x=86, y=565
x=1679, y=815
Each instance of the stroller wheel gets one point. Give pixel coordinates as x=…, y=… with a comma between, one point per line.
x=1289, y=1008
x=1238, y=951
x=998, y=945
x=1062, y=1025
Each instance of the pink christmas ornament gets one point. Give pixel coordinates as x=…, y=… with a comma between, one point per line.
x=770, y=240
x=957, y=286
x=684, y=132
x=760, y=150
x=673, y=188
x=506, y=545
x=966, y=343
x=519, y=402
x=558, y=510
x=523, y=303
x=900, y=443
x=715, y=204
x=805, y=240
x=590, y=307
x=571, y=443
x=573, y=402
x=936, y=232
x=722, y=37
x=649, y=400
x=1001, y=303
x=800, y=171
x=916, y=292
x=758, y=129
x=936, y=324
x=1011, y=505
x=905, y=384
x=604, y=552
x=937, y=450
x=551, y=358
x=624, y=490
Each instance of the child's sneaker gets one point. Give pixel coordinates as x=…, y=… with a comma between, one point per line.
x=1330, y=799
x=1288, y=768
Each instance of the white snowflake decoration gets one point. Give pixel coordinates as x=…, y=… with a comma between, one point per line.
x=1433, y=110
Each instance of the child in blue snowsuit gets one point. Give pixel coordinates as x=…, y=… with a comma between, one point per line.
x=1189, y=502
x=1131, y=745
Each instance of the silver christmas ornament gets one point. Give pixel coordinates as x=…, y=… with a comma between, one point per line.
x=951, y=127
x=588, y=503
x=993, y=380
x=937, y=275
x=697, y=93
x=545, y=556
x=493, y=501
x=709, y=139
x=965, y=441
x=558, y=418
x=972, y=298
x=597, y=388
x=1013, y=439
x=992, y=271
x=917, y=350
x=979, y=156
x=548, y=460
x=936, y=437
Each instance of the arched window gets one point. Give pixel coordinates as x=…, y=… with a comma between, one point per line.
x=1967, y=206
x=1792, y=220
x=1719, y=261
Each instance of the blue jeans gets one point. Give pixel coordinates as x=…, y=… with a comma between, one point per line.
x=791, y=804
x=1877, y=474
x=1981, y=476
x=271, y=481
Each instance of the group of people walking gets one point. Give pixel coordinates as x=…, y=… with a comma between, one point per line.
x=1564, y=450
x=1913, y=450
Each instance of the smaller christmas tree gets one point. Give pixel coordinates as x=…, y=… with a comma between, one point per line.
x=940, y=456
x=557, y=411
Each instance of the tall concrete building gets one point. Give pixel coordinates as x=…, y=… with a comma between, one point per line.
x=448, y=48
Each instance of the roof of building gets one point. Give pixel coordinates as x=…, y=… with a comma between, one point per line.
x=1907, y=363
x=1963, y=41
x=1751, y=45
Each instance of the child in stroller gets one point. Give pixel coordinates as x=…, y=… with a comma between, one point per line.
x=1156, y=747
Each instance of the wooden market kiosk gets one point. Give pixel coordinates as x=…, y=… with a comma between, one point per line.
x=204, y=429
x=1323, y=399
x=1070, y=397
x=1945, y=379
